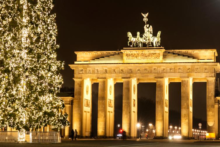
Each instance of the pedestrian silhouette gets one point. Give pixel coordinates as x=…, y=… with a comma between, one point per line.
x=124, y=135
x=75, y=134
x=72, y=134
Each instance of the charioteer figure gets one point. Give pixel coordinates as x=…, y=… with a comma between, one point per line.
x=148, y=39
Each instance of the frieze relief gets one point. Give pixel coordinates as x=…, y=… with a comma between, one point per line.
x=86, y=103
x=206, y=69
x=188, y=69
x=163, y=70
x=138, y=71
x=81, y=71
x=105, y=70
x=130, y=71
x=171, y=70
x=97, y=71
x=155, y=70
x=146, y=70
x=122, y=71
x=110, y=103
x=142, y=56
x=179, y=70
x=197, y=70
x=89, y=71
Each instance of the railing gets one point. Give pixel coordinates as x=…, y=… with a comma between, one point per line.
x=8, y=136
x=31, y=137
x=46, y=137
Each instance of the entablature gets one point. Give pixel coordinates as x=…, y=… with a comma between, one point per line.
x=147, y=55
x=171, y=70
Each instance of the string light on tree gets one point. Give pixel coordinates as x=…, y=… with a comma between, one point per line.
x=29, y=70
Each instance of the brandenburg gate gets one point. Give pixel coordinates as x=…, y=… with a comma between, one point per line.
x=136, y=64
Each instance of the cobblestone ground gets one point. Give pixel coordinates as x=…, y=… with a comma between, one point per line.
x=118, y=143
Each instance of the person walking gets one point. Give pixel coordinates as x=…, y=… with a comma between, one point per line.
x=75, y=134
x=72, y=134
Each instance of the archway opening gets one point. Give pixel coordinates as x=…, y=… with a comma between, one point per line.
x=175, y=104
x=95, y=87
x=118, y=108
x=199, y=105
x=146, y=107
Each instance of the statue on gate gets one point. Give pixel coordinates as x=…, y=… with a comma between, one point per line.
x=147, y=37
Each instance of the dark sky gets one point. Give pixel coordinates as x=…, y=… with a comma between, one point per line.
x=87, y=25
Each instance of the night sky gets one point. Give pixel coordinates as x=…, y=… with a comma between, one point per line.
x=100, y=25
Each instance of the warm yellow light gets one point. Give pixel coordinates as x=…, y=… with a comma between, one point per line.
x=210, y=135
x=138, y=125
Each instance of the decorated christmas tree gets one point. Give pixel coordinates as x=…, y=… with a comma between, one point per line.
x=29, y=70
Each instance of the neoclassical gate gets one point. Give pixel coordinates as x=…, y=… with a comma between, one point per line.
x=137, y=64
x=132, y=66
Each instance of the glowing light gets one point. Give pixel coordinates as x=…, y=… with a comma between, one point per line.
x=30, y=75
x=21, y=135
x=138, y=125
x=177, y=137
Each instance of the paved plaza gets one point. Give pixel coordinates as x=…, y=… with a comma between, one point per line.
x=120, y=143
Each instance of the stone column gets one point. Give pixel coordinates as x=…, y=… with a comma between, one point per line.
x=86, y=107
x=109, y=100
x=129, y=106
x=82, y=107
x=101, y=109
x=186, y=108
x=77, y=106
x=133, y=105
x=216, y=119
x=106, y=108
x=210, y=105
x=68, y=111
x=162, y=107
x=63, y=129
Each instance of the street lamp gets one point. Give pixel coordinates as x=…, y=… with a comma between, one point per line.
x=138, y=126
x=200, y=127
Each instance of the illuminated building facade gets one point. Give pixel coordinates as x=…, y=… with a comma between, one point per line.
x=138, y=64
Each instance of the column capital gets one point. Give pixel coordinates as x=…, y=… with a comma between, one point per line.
x=158, y=78
x=163, y=79
x=77, y=79
x=126, y=79
x=101, y=79
x=210, y=78
x=187, y=78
